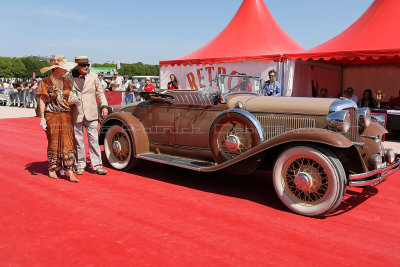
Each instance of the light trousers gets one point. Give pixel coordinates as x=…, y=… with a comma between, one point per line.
x=93, y=139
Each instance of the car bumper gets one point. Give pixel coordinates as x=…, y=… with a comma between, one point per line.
x=374, y=177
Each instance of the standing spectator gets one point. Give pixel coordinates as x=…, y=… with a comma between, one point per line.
x=129, y=95
x=367, y=100
x=102, y=82
x=148, y=86
x=116, y=82
x=349, y=94
x=55, y=117
x=3, y=96
x=108, y=82
x=272, y=87
x=25, y=94
x=125, y=82
x=173, y=84
x=13, y=94
x=137, y=86
x=85, y=87
x=32, y=93
x=21, y=95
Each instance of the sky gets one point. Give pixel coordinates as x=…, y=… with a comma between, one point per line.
x=152, y=30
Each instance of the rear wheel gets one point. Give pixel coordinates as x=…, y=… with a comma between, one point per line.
x=309, y=180
x=119, y=148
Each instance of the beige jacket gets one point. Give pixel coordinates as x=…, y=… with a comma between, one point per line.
x=91, y=89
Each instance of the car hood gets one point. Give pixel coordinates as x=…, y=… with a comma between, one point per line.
x=275, y=104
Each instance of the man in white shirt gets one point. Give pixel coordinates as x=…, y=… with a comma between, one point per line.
x=125, y=82
x=102, y=81
x=116, y=83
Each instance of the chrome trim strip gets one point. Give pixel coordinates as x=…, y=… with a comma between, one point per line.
x=361, y=144
x=342, y=103
x=375, y=138
x=249, y=116
x=361, y=179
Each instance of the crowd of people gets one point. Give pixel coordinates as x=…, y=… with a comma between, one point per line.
x=19, y=93
x=367, y=99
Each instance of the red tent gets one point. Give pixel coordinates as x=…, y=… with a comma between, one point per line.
x=371, y=39
x=252, y=34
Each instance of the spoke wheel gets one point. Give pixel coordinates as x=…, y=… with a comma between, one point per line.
x=309, y=181
x=232, y=136
x=118, y=148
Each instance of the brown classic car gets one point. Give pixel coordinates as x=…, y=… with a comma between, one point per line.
x=315, y=147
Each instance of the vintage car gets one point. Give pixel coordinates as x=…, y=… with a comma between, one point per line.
x=315, y=147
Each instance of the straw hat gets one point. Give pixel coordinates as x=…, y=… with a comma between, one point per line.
x=58, y=62
x=82, y=60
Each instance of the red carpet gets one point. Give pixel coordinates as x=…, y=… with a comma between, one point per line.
x=164, y=216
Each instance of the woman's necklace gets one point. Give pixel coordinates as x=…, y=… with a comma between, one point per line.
x=57, y=82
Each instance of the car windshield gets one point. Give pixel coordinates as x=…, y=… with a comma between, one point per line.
x=229, y=84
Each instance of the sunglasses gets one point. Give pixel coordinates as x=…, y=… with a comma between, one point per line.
x=84, y=65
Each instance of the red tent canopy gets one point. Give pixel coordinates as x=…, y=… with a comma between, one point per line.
x=252, y=34
x=373, y=38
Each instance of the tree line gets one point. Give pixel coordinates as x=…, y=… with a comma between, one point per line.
x=24, y=67
x=135, y=69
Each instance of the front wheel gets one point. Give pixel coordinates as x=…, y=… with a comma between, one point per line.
x=119, y=148
x=309, y=180
x=232, y=135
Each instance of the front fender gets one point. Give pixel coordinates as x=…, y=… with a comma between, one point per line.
x=372, y=139
x=134, y=126
x=309, y=135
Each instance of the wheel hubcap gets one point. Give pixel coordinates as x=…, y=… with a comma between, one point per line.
x=303, y=181
x=117, y=148
x=306, y=180
x=120, y=146
x=232, y=143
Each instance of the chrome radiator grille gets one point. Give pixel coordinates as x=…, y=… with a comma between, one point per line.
x=274, y=125
x=352, y=134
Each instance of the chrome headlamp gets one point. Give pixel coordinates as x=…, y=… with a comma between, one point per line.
x=364, y=117
x=375, y=161
x=340, y=120
x=390, y=156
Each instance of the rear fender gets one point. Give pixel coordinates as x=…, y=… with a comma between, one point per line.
x=134, y=126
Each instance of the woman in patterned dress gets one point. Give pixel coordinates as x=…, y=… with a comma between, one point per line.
x=55, y=117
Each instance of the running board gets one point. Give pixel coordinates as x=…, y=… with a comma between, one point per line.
x=186, y=163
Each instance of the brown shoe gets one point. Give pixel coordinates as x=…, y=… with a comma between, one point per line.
x=100, y=171
x=53, y=174
x=80, y=171
x=72, y=177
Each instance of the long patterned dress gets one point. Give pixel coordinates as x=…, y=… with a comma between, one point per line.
x=59, y=131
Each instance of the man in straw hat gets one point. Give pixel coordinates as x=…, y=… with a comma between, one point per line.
x=85, y=87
